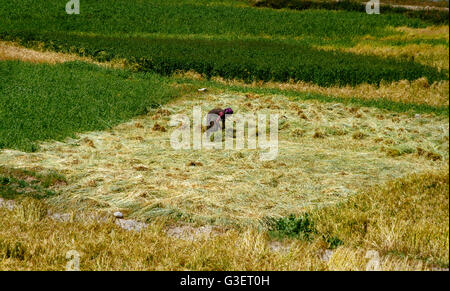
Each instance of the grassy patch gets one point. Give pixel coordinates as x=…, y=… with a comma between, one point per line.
x=301, y=227
x=245, y=60
x=42, y=102
x=16, y=183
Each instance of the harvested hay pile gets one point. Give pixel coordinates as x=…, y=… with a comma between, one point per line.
x=326, y=153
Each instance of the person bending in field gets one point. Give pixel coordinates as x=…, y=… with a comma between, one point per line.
x=216, y=119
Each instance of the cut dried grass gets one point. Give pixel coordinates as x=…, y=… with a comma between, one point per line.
x=134, y=169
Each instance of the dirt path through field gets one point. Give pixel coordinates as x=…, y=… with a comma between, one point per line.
x=415, y=7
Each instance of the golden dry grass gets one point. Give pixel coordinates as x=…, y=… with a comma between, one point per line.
x=405, y=223
x=435, y=55
x=326, y=153
x=417, y=92
x=132, y=169
x=13, y=51
x=407, y=219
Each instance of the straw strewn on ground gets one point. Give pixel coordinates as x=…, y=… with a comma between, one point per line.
x=326, y=152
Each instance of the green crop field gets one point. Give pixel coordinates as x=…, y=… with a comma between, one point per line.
x=218, y=40
x=246, y=60
x=86, y=108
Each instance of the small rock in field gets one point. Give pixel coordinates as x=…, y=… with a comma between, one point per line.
x=326, y=256
x=202, y=90
x=277, y=246
x=8, y=204
x=417, y=115
x=118, y=214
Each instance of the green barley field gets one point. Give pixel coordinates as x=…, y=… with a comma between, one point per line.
x=86, y=102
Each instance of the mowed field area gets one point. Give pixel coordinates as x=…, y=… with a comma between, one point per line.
x=363, y=143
